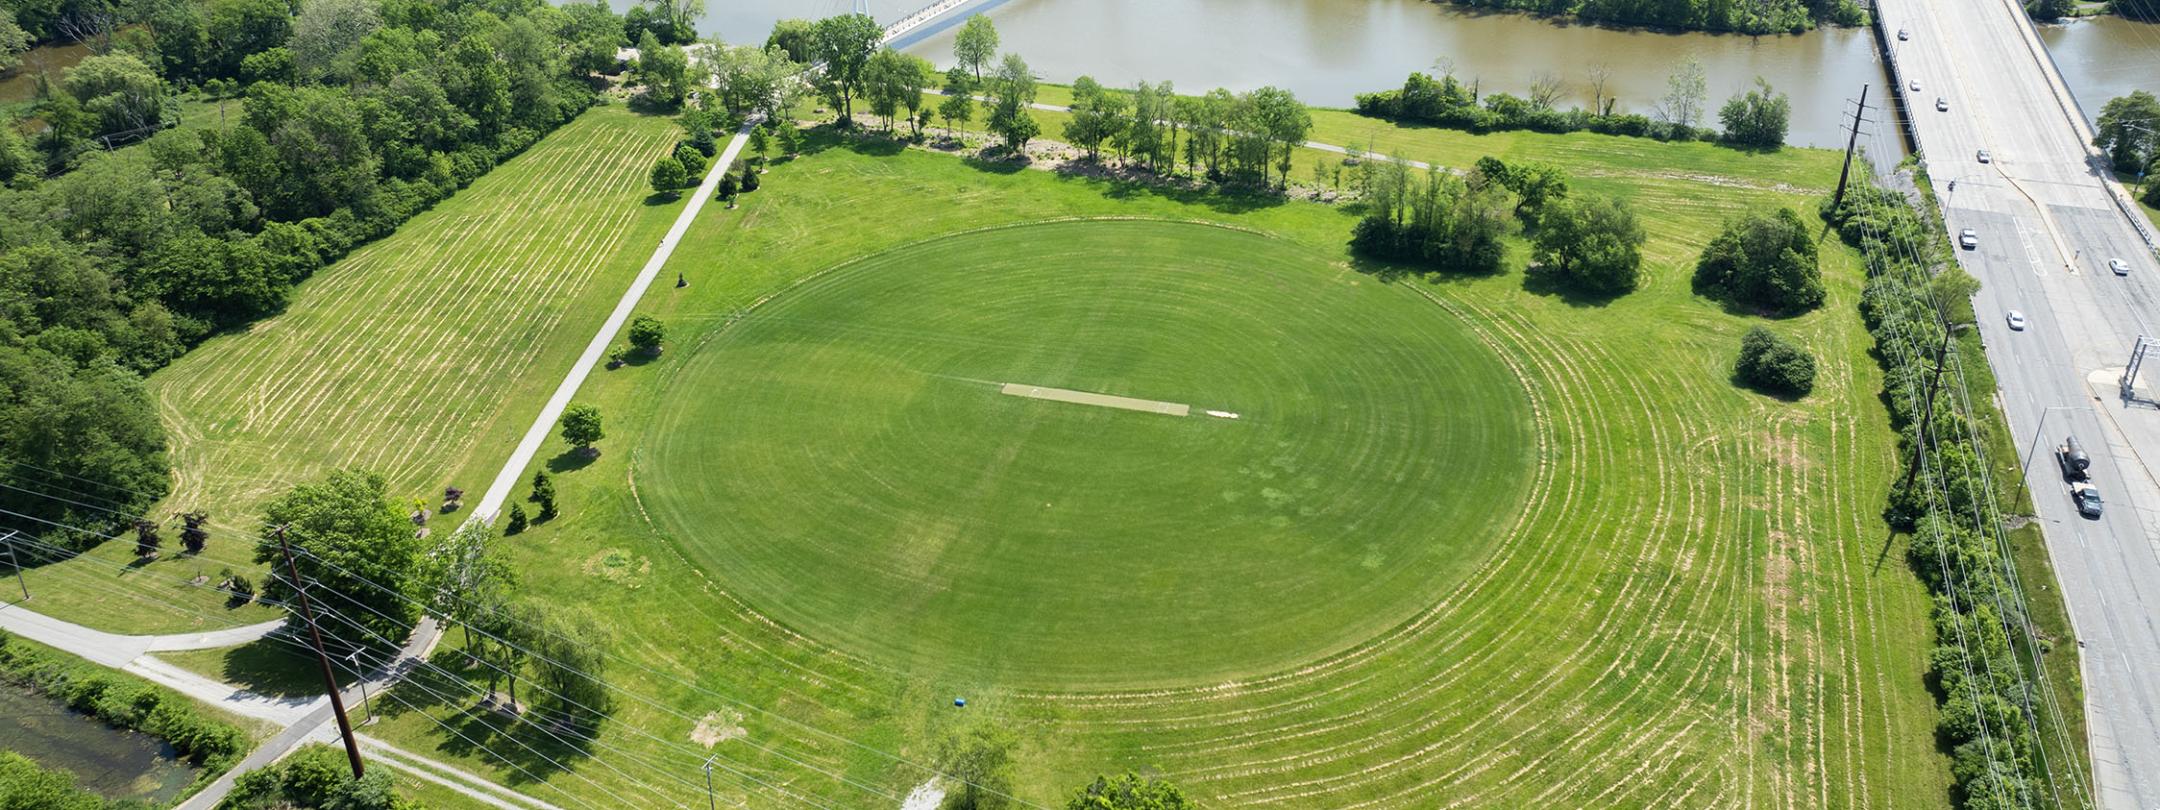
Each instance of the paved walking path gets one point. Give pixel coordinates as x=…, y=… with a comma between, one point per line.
x=505, y=481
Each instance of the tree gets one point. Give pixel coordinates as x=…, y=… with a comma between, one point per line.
x=1096, y=116
x=1593, y=241
x=959, y=104
x=1129, y=792
x=2129, y=132
x=975, y=44
x=1600, y=77
x=1286, y=122
x=13, y=41
x=192, y=536
x=326, y=36
x=1952, y=290
x=1685, y=93
x=1765, y=261
x=581, y=427
x=1774, y=365
x=693, y=164
x=1757, y=117
x=465, y=576
x=663, y=70
x=678, y=17
x=1012, y=93
x=1545, y=89
x=518, y=520
x=1535, y=183
x=570, y=652
x=647, y=333
x=241, y=28
x=543, y=493
x=845, y=44
x=756, y=81
x=2049, y=10
x=90, y=423
x=668, y=175
x=356, y=551
x=979, y=761
x=147, y=541
x=123, y=94
x=797, y=38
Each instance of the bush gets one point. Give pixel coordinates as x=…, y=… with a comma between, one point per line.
x=24, y=784
x=647, y=333
x=1446, y=102
x=749, y=178
x=2152, y=192
x=1767, y=262
x=315, y=776
x=1593, y=242
x=1774, y=365
x=518, y=520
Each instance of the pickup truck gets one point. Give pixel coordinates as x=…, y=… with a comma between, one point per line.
x=2087, y=498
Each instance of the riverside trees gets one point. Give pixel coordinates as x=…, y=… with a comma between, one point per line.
x=119, y=261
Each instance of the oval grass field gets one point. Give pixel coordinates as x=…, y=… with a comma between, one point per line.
x=912, y=457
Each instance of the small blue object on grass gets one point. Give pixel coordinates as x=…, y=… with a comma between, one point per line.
x=960, y=702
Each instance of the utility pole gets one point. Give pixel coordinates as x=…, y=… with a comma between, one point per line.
x=710, y=802
x=1851, y=143
x=361, y=675
x=307, y=612
x=17, y=565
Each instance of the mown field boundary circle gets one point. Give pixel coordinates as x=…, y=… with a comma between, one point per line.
x=849, y=457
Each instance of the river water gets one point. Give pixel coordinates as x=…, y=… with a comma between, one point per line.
x=115, y=764
x=2105, y=57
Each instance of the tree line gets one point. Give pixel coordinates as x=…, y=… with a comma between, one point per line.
x=1755, y=118
x=1986, y=712
x=335, y=124
x=1772, y=17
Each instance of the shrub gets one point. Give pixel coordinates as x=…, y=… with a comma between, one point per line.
x=1449, y=103
x=1764, y=261
x=1593, y=242
x=668, y=175
x=647, y=333
x=315, y=776
x=693, y=163
x=1774, y=365
x=24, y=784
x=518, y=520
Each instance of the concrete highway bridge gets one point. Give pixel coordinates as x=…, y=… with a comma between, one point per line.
x=1973, y=75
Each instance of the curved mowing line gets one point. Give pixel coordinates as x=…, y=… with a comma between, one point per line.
x=748, y=452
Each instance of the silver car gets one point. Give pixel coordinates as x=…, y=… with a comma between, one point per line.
x=1942, y=104
x=1969, y=239
x=1902, y=36
x=1984, y=157
x=2016, y=319
x=1914, y=84
x=2119, y=267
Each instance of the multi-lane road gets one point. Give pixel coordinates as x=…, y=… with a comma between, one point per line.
x=2048, y=223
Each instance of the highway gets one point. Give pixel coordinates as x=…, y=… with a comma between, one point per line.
x=2048, y=223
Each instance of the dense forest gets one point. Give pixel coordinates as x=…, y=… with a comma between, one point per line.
x=126, y=239
x=1759, y=17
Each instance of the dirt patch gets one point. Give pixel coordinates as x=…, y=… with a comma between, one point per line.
x=718, y=727
x=619, y=566
x=1099, y=400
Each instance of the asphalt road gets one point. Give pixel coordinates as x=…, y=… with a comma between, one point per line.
x=2048, y=223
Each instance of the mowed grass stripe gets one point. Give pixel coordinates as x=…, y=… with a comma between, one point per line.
x=394, y=358
x=1624, y=643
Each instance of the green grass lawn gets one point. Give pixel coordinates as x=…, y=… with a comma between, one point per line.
x=1687, y=599
x=1028, y=541
x=421, y=356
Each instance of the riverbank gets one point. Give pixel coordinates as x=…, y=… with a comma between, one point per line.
x=207, y=740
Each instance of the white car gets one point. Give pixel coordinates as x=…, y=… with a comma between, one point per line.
x=1902, y=35
x=2017, y=320
x=2119, y=267
x=1984, y=157
x=1968, y=239
x=1915, y=85
x=1942, y=104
